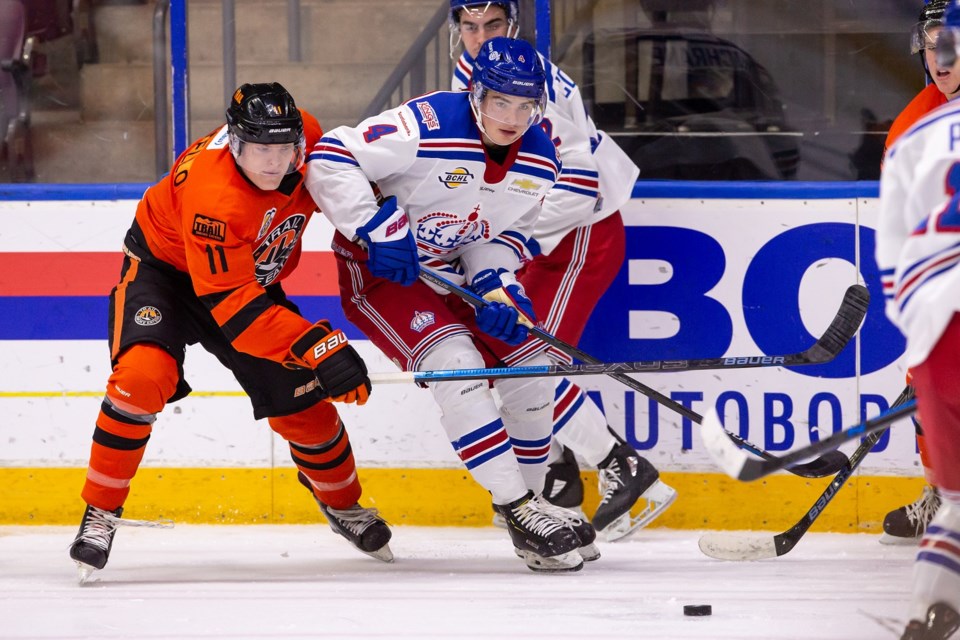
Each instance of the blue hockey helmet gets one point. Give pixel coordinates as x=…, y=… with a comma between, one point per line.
x=510, y=67
x=948, y=42
x=511, y=7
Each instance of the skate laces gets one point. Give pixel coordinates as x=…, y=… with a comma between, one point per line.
x=537, y=516
x=568, y=517
x=921, y=512
x=356, y=519
x=100, y=526
x=609, y=481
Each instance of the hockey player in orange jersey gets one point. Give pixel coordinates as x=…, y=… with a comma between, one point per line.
x=204, y=259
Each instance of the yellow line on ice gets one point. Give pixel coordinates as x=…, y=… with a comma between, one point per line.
x=99, y=394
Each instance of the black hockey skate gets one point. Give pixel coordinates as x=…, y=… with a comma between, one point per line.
x=581, y=526
x=941, y=623
x=544, y=541
x=91, y=548
x=563, y=487
x=624, y=478
x=907, y=524
x=365, y=530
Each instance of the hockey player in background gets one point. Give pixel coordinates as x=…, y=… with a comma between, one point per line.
x=458, y=179
x=907, y=523
x=582, y=242
x=204, y=260
x=917, y=241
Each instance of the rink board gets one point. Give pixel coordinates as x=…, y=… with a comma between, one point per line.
x=711, y=270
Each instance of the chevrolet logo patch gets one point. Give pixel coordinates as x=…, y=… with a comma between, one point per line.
x=523, y=183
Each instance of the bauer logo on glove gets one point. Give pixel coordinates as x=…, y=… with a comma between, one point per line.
x=329, y=344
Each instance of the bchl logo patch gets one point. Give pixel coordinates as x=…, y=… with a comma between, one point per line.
x=456, y=178
x=428, y=116
x=147, y=316
x=422, y=320
x=210, y=228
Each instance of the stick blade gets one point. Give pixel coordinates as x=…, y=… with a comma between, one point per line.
x=728, y=456
x=826, y=465
x=844, y=326
x=740, y=548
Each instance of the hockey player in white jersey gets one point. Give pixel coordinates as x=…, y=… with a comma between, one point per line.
x=582, y=242
x=918, y=253
x=459, y=178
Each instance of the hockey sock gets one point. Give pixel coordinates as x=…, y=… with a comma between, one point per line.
x=320, y=447
x=527, y=409
x=144, y=377
x=472, y=421
x=579, y=424
x=936, y=573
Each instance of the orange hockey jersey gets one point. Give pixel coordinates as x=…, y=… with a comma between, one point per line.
x=232, y=239
x=922, y=104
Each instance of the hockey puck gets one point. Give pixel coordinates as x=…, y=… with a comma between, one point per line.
x=697, y=610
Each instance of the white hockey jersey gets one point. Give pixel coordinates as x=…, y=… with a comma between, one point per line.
x=918, y=237
x=464, y=209
x=597, y=176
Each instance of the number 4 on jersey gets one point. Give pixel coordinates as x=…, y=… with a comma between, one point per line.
x=377, y=131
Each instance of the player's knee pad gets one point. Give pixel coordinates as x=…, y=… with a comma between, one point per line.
x=143, y=379
x=313, y=426
x=527, y=399
x=457, y=352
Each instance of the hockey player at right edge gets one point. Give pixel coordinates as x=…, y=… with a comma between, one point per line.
x=917, y=251
x=582, y=241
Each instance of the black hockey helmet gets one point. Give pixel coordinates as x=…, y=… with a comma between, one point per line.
x=265, y=114
x=931, y=15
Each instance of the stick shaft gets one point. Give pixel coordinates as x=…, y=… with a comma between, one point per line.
x=815, y=468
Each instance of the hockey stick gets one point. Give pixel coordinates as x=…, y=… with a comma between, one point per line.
x=731, y=546
x=823, y=466
x=736, y=464
x=843, y=327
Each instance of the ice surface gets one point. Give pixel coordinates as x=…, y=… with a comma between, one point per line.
x=294, y=581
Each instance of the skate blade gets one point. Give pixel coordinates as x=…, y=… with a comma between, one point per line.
x=659, y=497
x=563, y=563
x=900, y=541
x=589, y=552
x=383, y=554
x=84, y=572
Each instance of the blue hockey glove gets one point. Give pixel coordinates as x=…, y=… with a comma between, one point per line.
x=509, y=313
x=396, y=259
